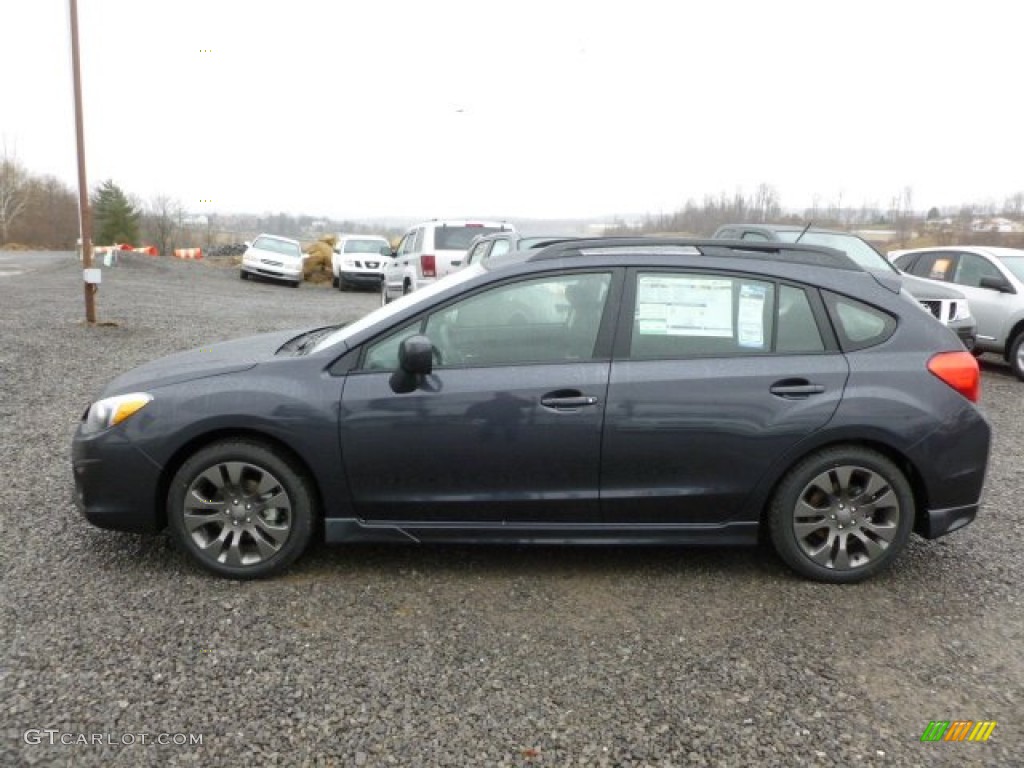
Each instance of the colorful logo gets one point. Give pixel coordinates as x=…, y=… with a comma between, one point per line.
x=958, y=730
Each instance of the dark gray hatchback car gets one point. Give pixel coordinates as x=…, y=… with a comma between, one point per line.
x=611, y=390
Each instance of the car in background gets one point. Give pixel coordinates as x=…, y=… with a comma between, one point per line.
x=950, y=307
x=485, y=246
x=431, y=250
x=992, y=278
x=358, y=261
x=272, y=256
x=664, y=391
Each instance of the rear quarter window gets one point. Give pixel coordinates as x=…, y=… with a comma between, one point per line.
x=857, y=324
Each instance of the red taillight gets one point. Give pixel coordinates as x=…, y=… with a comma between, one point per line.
x=960, y=371
x=428, y=267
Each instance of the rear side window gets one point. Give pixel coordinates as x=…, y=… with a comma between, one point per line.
x=858, y=325
x=797, y=329
x=458, y=238
x=686, y=315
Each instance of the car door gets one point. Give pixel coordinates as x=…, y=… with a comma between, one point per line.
x=506, y=429
x=714, y=378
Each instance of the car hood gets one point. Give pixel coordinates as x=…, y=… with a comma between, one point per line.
x=212, y=360
x=923, y=290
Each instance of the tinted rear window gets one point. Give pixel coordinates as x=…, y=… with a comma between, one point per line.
x=458, y=238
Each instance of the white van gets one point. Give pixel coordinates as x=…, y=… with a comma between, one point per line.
x=432, y=250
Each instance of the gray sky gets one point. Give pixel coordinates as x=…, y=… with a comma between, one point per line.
x=548, y=109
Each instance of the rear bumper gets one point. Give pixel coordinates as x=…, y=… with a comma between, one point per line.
x=115, y=483
x=939, y=522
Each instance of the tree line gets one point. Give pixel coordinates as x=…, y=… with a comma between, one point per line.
x=42, y=212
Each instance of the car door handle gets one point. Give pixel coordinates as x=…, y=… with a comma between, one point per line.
x=567, y=400
x=795, y=389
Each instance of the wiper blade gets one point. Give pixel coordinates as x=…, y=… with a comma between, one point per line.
x=305, y=341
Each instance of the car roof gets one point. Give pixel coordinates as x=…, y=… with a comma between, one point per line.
x=994, y=250
x=790, y=253
x=788, y=228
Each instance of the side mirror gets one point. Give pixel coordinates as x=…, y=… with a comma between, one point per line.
x=996, y=284
x=415, y=361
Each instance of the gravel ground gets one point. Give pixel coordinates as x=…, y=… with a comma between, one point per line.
x=457, y=656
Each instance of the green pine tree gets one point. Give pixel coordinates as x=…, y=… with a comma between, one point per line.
x=115, y=219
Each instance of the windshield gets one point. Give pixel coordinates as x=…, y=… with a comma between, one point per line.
x=277, y=246
x=383, y=313
x=459, y=238
x=855, y=248
x=367, y=246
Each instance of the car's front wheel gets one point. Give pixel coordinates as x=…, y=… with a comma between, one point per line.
x=384, y=298
x=842, y=514
x=241, y=509
x=1016, y=359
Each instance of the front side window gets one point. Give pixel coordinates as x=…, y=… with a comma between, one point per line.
x=549, y=319
x=972, y=268
x=543, y=320
x=684, y=315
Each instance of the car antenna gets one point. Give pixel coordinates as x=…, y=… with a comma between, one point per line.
x=803, y=231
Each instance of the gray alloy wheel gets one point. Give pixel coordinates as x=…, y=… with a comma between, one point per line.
x=1016, y=359
x=842, y=514
x=240, y=509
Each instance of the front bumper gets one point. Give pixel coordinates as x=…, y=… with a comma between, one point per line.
x=115, y=483
x=362, y=279
x=292, y=275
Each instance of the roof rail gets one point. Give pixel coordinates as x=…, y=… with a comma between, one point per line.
x=793, y=253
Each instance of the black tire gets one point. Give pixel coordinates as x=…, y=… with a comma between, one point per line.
x=1016, y=359
x=841, y=515
x=384, y=298
x=219, y=509
x=334, y=282
x=296, y=284
x=242, y=274
x=406, y=288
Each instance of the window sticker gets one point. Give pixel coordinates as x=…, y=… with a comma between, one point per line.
x=684, y=306
x=750, y=323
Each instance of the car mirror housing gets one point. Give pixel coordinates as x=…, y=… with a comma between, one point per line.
x=996, y=284
x=416, y=356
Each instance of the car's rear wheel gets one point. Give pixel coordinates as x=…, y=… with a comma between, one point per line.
x=241, y=509
x=1016, y=359
x=842, y=514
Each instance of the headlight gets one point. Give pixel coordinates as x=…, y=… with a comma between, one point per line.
x=961, y=309
x=103, y=414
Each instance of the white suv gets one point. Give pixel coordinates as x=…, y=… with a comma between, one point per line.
x=273, y=256
x=429, y=251
x=359, y=260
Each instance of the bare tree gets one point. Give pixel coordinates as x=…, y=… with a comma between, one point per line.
x=14, y=190
x=162, y=222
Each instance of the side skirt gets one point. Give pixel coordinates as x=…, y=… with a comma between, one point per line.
x=337, y=530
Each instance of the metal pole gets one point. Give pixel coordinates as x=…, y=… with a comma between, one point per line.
x=84, y=215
